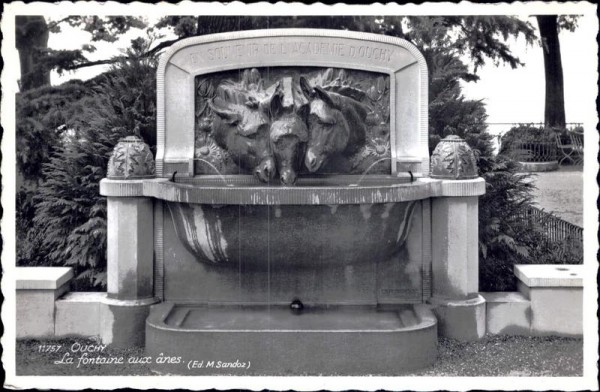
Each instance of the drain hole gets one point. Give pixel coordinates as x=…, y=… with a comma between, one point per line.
x=296, y=306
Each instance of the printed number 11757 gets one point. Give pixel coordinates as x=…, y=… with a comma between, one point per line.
x=49, y=348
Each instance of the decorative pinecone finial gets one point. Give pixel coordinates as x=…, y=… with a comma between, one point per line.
x=131, y=158
x=453, y=159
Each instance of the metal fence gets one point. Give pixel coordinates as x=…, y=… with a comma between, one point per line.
x=534, y=151
x=498, y=129
x=555, y=229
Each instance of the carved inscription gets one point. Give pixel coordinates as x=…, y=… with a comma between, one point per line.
x=293, y=49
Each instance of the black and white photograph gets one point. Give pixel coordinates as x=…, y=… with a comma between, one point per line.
x=306, y=197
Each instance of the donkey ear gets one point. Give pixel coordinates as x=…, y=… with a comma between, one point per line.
x=306, y=88
x=245, y=79
x=273, y=104
x=324, y=96
x=254, y=77
x=221, y=109
x=276, y=104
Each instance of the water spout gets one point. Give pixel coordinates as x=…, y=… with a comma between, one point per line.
x=222, y=177
x=368, y=169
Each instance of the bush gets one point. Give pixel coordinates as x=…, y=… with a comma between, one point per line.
x=529, y=143
x=70, y=214
x=41, y=115
x=506, y=236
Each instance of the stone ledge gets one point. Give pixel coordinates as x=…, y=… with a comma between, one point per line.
x=550, y=275
x=42, y=278
x=121, y=188
x=79, y=297
x=475, y=187
x=504, y=297
x=129, y=302
x=455, y=188
x=209, y=193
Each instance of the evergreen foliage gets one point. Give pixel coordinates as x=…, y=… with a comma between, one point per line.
x=41, y=116
x=70, y=214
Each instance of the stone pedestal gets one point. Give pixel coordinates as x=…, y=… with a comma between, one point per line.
x=123, y=322
x=130, y=246
x=455, y=268
x=37, y=289
x=461, y=319
x=455, y=252
x=130, y=269
x=455, y=238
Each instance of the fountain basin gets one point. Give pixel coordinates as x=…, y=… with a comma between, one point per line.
x=298, y=235
x=272, y=340
x=322, y=222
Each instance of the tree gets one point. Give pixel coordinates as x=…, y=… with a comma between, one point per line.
x=554, y=112
x=31, y=33
x=37, y=60
x=549, y=25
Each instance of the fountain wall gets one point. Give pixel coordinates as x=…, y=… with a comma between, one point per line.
x=292, y=205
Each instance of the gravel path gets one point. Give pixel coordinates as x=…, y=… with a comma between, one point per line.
x=497, y=355
x=490, y=356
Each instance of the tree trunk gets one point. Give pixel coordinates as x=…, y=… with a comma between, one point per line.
x=31, y=41
x=554, y=113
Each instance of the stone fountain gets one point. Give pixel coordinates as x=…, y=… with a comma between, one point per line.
x=291, y=223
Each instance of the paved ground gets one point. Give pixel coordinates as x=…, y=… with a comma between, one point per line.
x=561, y=192
x=491, y=356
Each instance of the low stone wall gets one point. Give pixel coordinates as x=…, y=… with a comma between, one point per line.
x=47, y=309
x=38, y=289
x=549, y=302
